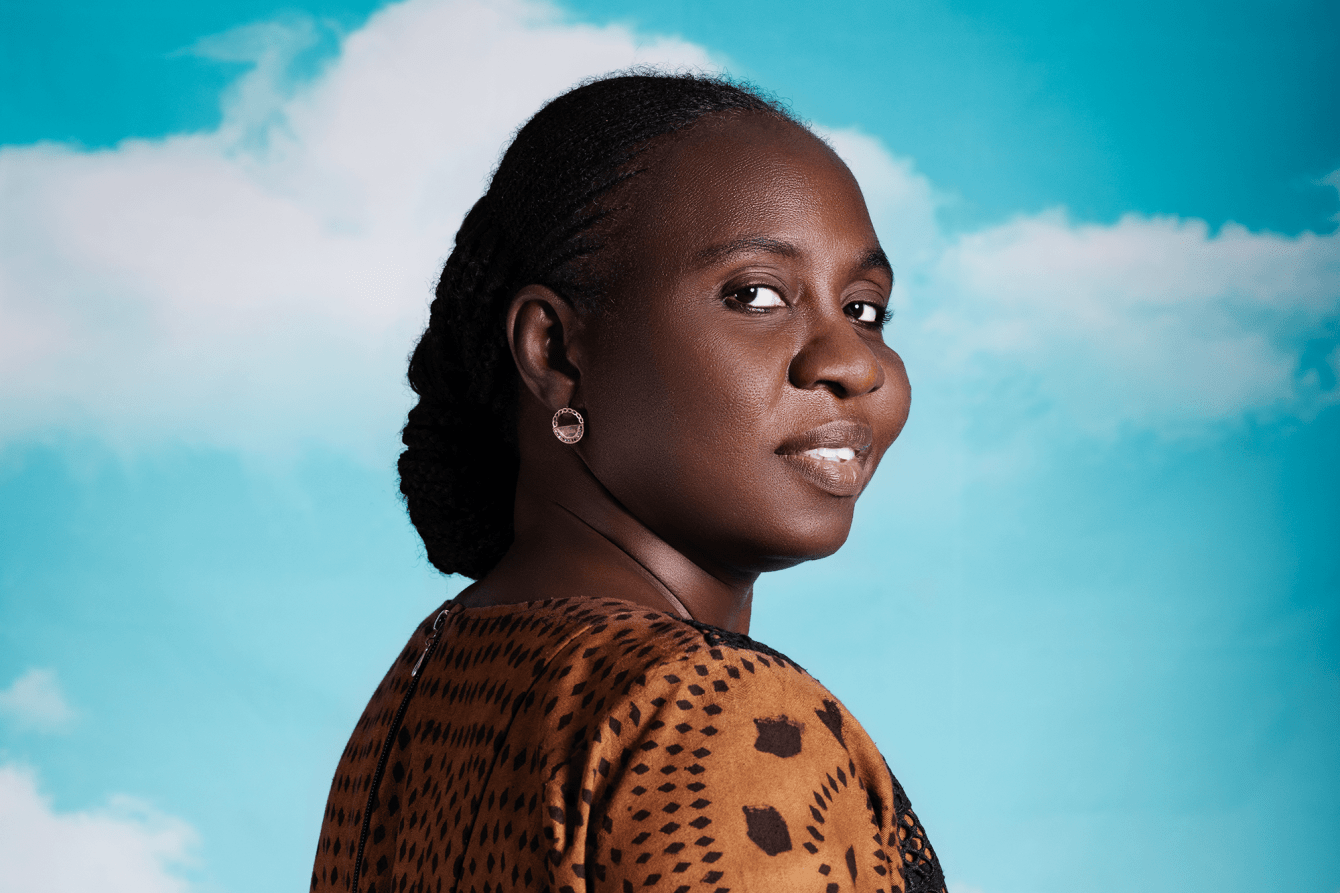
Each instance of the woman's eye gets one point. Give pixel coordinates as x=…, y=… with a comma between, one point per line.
x=867, y=312
x=758, y=297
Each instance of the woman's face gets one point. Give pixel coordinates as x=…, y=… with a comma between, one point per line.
x=739, y=394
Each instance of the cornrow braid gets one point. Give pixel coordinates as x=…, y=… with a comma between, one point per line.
x=536, y=224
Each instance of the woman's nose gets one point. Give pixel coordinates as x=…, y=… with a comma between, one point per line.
x=835, y=356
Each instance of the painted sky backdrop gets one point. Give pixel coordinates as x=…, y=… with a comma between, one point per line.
x=1091, y=606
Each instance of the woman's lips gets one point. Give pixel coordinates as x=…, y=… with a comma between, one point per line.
x=834, y=457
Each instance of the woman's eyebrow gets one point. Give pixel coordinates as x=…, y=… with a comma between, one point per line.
x=717, y=253
x=874, y=259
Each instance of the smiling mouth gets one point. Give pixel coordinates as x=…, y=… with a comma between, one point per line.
x=834, y=457
x=827, y=454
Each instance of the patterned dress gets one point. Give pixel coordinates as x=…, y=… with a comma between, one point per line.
x=579, y=744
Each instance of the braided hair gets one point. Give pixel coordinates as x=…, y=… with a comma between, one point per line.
x=539, y=223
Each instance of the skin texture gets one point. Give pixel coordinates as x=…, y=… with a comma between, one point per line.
x=741, y=333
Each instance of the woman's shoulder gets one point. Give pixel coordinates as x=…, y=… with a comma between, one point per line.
x=684, y=738
x=661, y=737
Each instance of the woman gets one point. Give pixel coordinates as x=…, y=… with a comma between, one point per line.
x=653, y=370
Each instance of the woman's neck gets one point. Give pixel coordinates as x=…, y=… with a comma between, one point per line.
x=573, y=539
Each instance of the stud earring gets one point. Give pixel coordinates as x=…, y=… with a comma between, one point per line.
x=569, y=431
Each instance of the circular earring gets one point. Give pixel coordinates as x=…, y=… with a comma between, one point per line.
x=569, y=431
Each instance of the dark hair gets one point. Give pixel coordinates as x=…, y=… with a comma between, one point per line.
x=536, y=224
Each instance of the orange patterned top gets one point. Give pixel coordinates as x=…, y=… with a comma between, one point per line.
x=583, y=744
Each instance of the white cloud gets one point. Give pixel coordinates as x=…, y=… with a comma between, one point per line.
x=35, y=701
x=1150, y=322
x=259, y=286
x=128, y=846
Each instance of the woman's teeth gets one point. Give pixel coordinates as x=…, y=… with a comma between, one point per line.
x=840, y=454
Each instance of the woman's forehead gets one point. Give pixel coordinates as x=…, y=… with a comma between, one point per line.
x=724, y=148
x=748, y=176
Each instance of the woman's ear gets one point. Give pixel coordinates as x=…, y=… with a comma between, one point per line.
x=541, y=330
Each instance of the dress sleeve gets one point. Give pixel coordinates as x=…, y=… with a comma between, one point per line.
x=731, y=770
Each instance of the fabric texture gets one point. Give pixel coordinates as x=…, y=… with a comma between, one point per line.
x=579, y=744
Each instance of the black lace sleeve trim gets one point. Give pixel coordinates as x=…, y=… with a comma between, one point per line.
x=921, y=867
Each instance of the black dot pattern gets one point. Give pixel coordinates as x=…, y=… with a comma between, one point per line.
x=592, y=745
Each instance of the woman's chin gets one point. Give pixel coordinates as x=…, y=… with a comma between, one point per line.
x=814, y=541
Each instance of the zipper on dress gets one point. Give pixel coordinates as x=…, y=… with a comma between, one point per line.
x=439, y=624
